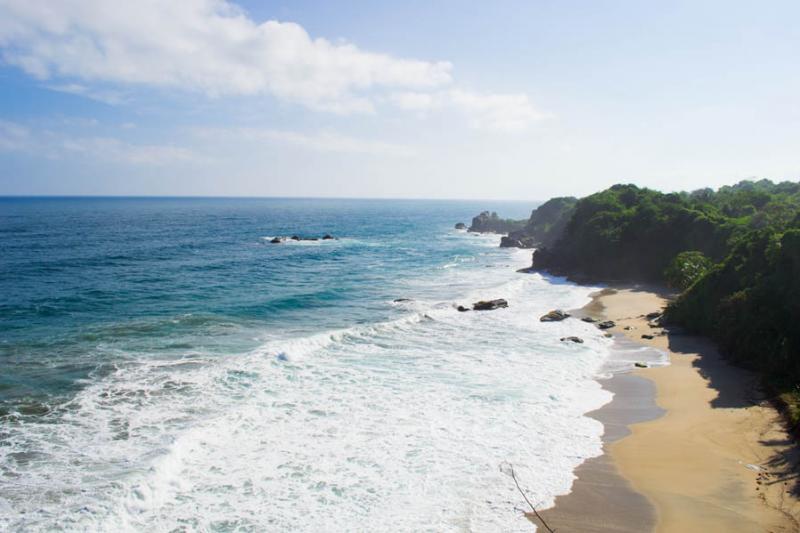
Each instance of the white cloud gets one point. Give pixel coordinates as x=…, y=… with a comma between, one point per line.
x=495, y=112
x=214, y=48
x=320, y=142
x=122, y=152
x=15, y=137
x=210, y=46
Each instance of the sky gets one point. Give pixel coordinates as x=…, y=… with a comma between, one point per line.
x=415, y=99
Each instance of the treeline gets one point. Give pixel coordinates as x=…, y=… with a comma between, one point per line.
x=734, y=254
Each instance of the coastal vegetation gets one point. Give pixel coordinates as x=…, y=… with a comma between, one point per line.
x=733, y=254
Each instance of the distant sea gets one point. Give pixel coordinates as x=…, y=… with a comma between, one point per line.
x=164, y=367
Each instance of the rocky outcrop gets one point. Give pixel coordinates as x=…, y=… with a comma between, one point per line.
x=488, y=222
x=557, y=315
x=489, y=305
x=297, y=238
x=517, y=240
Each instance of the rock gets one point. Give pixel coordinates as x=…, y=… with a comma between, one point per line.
x=295, y=238
x=648, y=337
x=461, y=225
x=276, y=240
x=654, y=314
x=608, y=335
x=327, y=237
x=556, y=315
x=462, y=309
x=627, y=328
x=589, y=319
x=398, y=300
x=489, y=305
x=572, y=339
x=606, y=324
x=640, y=365
x=510, y=242
x=488, y=222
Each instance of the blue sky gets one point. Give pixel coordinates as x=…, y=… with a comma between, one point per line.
x=506, y=100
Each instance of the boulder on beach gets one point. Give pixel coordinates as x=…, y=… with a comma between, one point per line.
x=589, y=319
x=653, y=315
x=606, y=324
x=557, y=315
x=640, y=365
x=648, y=337
x=572, y=339
x=461, y=225
x=489, y=305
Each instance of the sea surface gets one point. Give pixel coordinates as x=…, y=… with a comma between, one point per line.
x=163, y=367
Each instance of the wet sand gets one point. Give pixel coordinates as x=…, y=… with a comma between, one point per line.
x=718, y=459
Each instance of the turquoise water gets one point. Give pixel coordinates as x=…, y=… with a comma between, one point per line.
x=164, y=367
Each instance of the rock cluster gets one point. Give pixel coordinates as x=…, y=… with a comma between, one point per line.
x=556, y=315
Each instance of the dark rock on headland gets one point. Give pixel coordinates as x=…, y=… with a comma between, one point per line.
x=572, y=339
x=556, y=315
x=489, y=305
x=488, y=222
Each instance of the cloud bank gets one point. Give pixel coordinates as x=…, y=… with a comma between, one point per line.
x=214, y=48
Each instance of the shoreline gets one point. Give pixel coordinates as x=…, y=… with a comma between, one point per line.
x=717, y=457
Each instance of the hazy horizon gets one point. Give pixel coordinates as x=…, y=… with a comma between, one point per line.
x=512, y=101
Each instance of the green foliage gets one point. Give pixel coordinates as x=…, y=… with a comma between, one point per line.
x=548, y=221
x=735, y=252
x=686, y=268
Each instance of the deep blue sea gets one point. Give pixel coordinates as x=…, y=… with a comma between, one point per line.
x=164, y=367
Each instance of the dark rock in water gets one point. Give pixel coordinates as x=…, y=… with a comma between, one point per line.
x=640, y=365
x=653, y=315
x=608, y=335
x=488, y=305
x=648, y=337
x=461, y=225
x=554, y=316
x=295, y=238
x=572, y=339
x=462, y=309
x=282, y=357
x=510, y=242
x=327, y=237
x=589, y=319
x=606, y=324
x=276, y=240
x=311, y=239
x=488, y=222
x=397, y=300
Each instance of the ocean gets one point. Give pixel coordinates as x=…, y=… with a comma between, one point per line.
x=166, y=368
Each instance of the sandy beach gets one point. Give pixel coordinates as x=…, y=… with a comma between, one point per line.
x=717, y=458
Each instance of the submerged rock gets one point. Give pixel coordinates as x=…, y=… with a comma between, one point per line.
x=556, y=315
x=489, y=305
x=606, y=324
x=398, y=300
x=462, y=309
x=276, y=240
x=572, y=339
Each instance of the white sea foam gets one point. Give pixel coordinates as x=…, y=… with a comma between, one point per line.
x=395, y=426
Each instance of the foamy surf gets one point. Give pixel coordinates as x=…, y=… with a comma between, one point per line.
x=395, y=425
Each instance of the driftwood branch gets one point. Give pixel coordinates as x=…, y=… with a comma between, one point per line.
x=535, y=512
